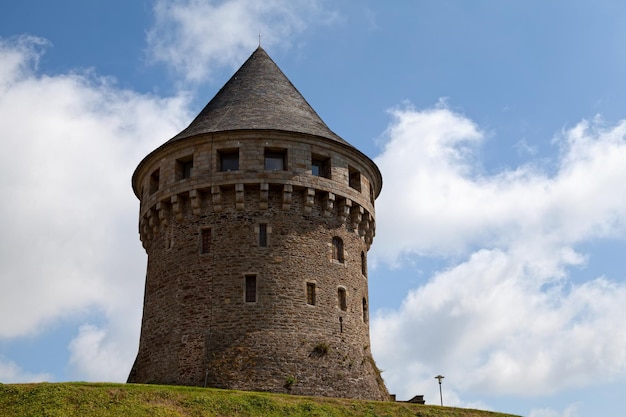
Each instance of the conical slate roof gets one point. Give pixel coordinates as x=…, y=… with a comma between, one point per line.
x=258, y=96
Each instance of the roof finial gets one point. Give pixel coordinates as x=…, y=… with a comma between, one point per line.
x=259, y=39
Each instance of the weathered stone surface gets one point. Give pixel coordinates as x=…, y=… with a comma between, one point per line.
x=197, y=327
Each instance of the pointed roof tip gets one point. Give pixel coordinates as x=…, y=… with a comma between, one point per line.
x=259, y=49
x=259, y=97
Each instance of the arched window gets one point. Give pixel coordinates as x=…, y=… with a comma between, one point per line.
x=338, y=249
x=341, y=299
x=363, y=264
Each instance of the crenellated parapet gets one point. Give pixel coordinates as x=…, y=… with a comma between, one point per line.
x=172, y=208
x=332, y=179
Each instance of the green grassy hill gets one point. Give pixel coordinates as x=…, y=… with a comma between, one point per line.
x=88, y=400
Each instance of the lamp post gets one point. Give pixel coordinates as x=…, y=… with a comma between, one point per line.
x=440, y=377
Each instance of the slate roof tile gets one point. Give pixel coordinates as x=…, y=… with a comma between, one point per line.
x=258, y=96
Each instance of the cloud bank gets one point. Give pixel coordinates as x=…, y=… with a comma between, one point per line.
x=10, y=371
x=505, y=318
x=68, y=244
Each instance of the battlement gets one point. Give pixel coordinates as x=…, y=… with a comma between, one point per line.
x=332, y=181
x=199, y=201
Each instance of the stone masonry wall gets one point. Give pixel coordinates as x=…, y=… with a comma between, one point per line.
x=197, y=328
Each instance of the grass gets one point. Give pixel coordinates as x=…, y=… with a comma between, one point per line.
x=134, y=400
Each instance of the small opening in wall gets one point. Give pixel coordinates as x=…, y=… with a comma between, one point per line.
x=320, y=166
x=276, y=159
x=354, y=178
x=364, y=310
x=184, y=167
x=250, y=289
x=154, y=181
x=228, y=159
x=363, y=264
x=205, y=241
x=169, y=239
x=338, y=249
x=341, y=299
x=310, y=293
x=263, y=235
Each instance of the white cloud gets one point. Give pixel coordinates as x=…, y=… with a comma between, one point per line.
x=504, y=318
x=196, y=36
x=20, y=55
x=68, y=241
x=11, y=373
x=97, y=355
x=429, y=165
x=570, y=411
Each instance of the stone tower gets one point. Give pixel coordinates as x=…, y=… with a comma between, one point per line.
x=257, y=220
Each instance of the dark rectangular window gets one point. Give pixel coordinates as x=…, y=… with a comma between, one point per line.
x=183, y=168
x=250, y=295
x=354, y=178
x=154, y=181
x=205, y=243
x=365, y=315
x=320, y=166
x=187, y=166
x=316, y=168
x=363, y=264
x=341, y=298
x=338, y=249
x=263, y=235
x=310, y=293
x=275, y=160
x=229, y=160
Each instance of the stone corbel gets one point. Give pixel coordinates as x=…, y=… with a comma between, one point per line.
x=177, y=206
x=309, y=200
x=239, y=197
x=371, y=232
x=345, y=204
x=144, y=231
x=356, y=215
x=264, y=196
x=328, y=203
x=368, y=227
x=195, y=198
x=163, y=212
x=287, y=190
x=216, y=198
x=153, y=220
x=364, y=226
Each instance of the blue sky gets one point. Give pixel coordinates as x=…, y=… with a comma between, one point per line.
x=499, y=128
